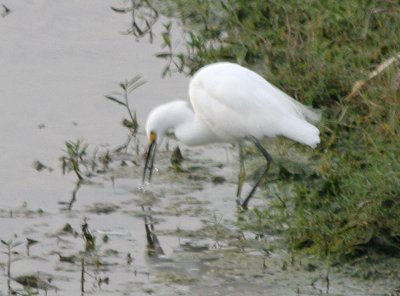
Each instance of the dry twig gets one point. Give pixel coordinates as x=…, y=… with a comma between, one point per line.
x=381, y=68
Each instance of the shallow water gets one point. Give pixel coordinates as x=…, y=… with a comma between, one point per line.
x=59, y=58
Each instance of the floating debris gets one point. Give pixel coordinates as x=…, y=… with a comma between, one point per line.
x=39, y=280
x=69, y=259
x=218, y=180
x=30, y=242
x=103, y=208
x=39, y=166
x=6, y=11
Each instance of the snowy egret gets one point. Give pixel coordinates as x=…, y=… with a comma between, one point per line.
x=230, y=103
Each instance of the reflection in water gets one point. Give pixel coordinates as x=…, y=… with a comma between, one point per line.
x=68, y=205
x=153, y=244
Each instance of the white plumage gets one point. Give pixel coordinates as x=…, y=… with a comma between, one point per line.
x=230, y=103
x=235, y=102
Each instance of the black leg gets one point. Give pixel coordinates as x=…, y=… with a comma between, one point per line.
x=242, y=174
x=269, y=160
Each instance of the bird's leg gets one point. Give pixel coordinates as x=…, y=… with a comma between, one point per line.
x=269, y=160
x=242, y=174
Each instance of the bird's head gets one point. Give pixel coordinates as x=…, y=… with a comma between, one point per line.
x=162, y=121
x=155, y=133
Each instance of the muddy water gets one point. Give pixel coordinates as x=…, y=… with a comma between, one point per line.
x=58, y=60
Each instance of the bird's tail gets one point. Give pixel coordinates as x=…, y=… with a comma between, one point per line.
x=301, y=131
x=309, y=114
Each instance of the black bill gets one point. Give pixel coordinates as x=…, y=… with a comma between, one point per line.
x=149, y=164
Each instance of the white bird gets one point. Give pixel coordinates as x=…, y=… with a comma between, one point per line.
x=230, y=103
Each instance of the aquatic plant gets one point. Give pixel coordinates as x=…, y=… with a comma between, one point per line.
x=122, y=98
x=74, y=158
x=10, y=245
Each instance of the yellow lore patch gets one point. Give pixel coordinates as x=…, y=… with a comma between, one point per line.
x=152, y=137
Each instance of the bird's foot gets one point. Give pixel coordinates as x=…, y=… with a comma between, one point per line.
x=244, y=207
x=241, y=205
x=142, y=187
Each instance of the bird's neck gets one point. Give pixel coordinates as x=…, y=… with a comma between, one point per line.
x=187, y=127
x=177, y=117
x=194, y=132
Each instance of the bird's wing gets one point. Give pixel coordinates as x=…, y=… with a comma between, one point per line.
x=236, y=102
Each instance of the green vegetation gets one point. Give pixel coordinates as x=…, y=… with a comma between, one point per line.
x=122, y=98
x=74, y=157
x=323, y=53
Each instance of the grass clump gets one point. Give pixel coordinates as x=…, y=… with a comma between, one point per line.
x=352, y=207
